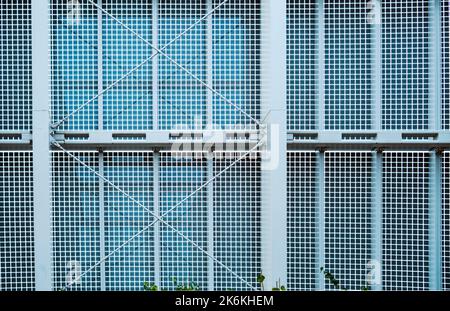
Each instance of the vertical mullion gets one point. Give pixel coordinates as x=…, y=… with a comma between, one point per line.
x=435, y=65
x=377, y=216
x=41, y=146
x=321, y=65
x=100, y=64
x=435, y=221
x=155, y=68
x=376, y=66
x=156, y=211
x=209, y=75
x=101, y=205
x=210, y=215
x=320, y=218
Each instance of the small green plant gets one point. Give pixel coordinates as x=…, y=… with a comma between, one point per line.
x=260, y=279
x=150, y=287
x=190, y=286
x=278, y=287
x=330, y=278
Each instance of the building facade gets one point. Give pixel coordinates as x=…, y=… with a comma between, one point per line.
x=204, y=142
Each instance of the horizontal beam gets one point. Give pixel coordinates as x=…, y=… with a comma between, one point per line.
x=372, y=139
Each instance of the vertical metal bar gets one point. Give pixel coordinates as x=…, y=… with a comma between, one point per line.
x=155, y=90
x=41, y=153
x=273, y=165
x=209, y=75
x=377, y=221
x=101, y=200
x=435, y=65
x=435, y=221
x=100, y=65
x=320, y=65
x=210, y=197
x=320, y=219
x=376, y=65
x=156, y=210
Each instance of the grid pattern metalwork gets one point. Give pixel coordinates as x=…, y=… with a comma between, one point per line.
x=405, y=64
x=445, y=65
x=75, y=220
x=302, y=220
x=16, y=221
x=15, y=65
x=74, y=63
x=445, y=184
x=236, y=62
x=182, y=263
x=406, y=220
x=348, y=103
x=237, y=220
x=348, y=204
x=182, y=100
x=133, y=265
x=301, y=65
x=128, y=105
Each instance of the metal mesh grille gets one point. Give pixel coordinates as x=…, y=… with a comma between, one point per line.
x=347, y=65
x=405, y=220
x=446, y=220
x=301, y=64
x=16, y=221
x=180, y=174
x=131, y=266
x=127, y=106
x=236, y=62
x=445, y=64
x=75, y=220
x=74, y=70
x=15, y=65
x=182, y=100
x=302, y=220
x=237, y=221
x=348, y=197
x=405, y=25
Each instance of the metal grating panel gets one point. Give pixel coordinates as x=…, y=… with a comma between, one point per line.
x=445, y=220
x=127, y=106
x=237, y=220
x=347, y=65
x=405, y=62
x=16, y=221
x=180, y=174
x=74, y=70
x=406, y=220
x=131, y=266
x=445, y=64
x=301, y=65
x=236, y=62
x=75, y=220
x=348, y=202
x=302, y=220
x=15, y=65
x=182, y=100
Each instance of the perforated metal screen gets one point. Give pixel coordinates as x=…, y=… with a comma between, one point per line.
x=348, y=91
x=348, y=223
x=15, y=65
x=301, y=53
x=405, y=58
x=406, y=205
x=445, y=181
x=302, y=219
x=237, y=220
x=16, y=221
x=445, y=65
